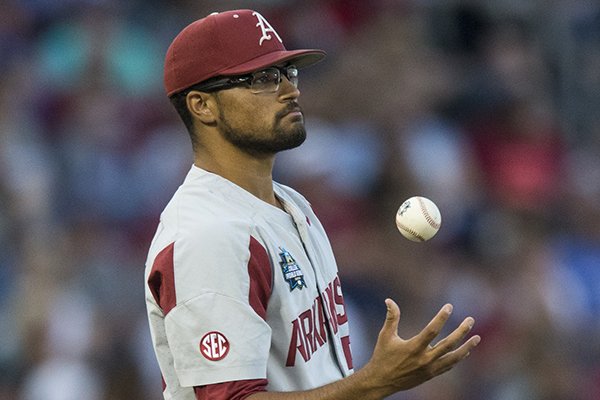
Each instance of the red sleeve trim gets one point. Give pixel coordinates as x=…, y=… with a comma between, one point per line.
x=261, y=278
x=162, y=279
x=236, y=390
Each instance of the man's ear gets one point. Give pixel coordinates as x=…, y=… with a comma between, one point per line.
x=202, y=106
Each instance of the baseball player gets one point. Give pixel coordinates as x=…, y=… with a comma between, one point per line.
x=242, y=289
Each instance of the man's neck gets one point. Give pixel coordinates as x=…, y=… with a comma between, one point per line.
x=252, y=174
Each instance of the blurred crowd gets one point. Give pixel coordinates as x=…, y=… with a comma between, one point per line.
x=489, y=108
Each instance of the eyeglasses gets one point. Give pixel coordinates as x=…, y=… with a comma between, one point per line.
x=264, y=81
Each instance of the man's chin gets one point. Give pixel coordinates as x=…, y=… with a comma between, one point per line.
x=294, y=138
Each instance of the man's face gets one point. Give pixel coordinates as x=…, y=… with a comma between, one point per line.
x=263, y=123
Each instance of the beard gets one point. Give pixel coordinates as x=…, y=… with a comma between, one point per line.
x=265, y=141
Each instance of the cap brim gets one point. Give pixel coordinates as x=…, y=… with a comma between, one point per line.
x=300, y=58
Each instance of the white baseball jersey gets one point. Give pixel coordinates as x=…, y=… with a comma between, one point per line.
x=238, y=290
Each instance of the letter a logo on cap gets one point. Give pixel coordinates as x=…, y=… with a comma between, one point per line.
x=265, y=28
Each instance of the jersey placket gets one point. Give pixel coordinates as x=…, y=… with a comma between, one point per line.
x=301, y=226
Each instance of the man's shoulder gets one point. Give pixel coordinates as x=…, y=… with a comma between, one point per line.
x=205, y=199
x=206, y=215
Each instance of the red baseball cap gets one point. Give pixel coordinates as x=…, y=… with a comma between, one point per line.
x=228, y=43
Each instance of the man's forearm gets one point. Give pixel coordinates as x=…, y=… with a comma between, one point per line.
x=353, y=387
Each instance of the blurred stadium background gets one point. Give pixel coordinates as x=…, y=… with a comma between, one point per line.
x=490, y=108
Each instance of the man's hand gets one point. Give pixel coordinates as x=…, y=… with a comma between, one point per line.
x=398, y=364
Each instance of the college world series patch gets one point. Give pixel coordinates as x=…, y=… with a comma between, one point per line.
x=291, y=270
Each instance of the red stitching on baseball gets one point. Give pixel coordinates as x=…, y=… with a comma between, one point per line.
x=413, y=233
x=430, y=220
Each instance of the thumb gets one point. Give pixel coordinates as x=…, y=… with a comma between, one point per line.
x=392, y=318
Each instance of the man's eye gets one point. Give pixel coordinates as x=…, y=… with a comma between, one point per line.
x=266, y=78
x=262, y=79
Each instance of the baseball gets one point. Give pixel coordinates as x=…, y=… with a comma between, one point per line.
x=418, y=219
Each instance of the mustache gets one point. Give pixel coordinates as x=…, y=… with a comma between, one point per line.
x=291, y=107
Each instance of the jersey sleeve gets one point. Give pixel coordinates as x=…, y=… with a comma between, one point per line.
x=216, y=330
x=214, y=338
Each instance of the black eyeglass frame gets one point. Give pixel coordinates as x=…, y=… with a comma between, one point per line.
x=229, y=82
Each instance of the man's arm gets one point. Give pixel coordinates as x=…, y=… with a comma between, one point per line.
x=396, y=364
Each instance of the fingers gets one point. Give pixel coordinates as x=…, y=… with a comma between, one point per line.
x=434, y=327
x=411, y=362
x=447, y=361
x=443, y=351
x=392, y=319
x=451, y=341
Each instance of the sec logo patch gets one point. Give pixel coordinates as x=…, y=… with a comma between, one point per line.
x=214, y=346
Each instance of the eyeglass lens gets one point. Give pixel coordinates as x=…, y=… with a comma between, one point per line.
x=268, y=80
